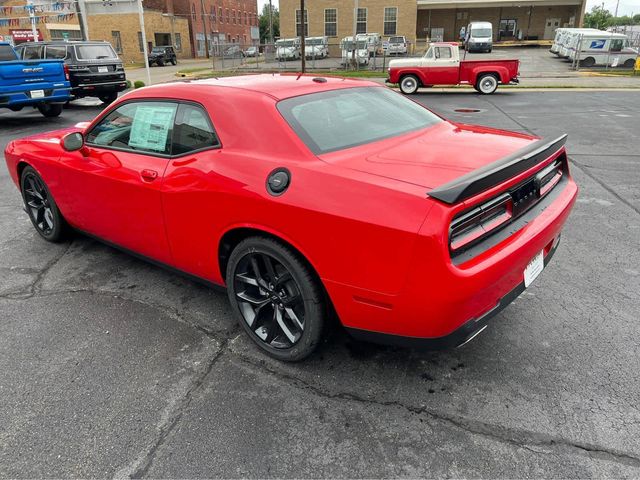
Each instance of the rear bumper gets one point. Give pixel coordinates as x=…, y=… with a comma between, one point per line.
x=468, y=331
x=94, y=89
x=24, y=98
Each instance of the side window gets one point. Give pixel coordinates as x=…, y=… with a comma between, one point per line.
x=616, y=45
x=55, y=52
x=138, y=126
x=33, y=53
x=443, y=52
x=192, y=130
x=429, y=53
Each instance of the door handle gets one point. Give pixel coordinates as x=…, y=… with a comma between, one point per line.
x=149, y=175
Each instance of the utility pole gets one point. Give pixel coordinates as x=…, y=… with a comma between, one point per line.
x=615, y=15
x=32, y=15
x=145, y=50
x=205, y=29
x=355, y=32
x=303, y=58
x=81, y=11
x=270, y=22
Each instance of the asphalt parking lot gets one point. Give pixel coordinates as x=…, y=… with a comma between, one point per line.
x=111, y=367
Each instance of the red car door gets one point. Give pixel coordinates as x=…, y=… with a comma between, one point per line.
x=113, y=185
x=444, y=66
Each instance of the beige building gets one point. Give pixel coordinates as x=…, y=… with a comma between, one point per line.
x=423, y=20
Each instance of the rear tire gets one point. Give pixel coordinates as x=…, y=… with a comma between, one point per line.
x=487, y=84
x=50, y=110
x=276, y=297
x=108, y=98
x=629, y=63
x=588, y=62
x=409, y=84
x=174, y=62
x=161, y=63
x=41, y=207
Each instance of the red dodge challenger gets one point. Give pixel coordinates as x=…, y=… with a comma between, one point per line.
x=306, y=196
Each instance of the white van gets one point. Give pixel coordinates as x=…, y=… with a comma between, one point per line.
x=347, y=45
x=479, y=37
x=374, y=43
x=316, y=47
x=568, y=36
x=557, y=40
x=288, y=49
x=603, y=48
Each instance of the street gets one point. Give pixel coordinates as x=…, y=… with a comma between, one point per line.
x=113, y=367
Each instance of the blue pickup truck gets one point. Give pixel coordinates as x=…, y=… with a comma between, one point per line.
x=42, y=84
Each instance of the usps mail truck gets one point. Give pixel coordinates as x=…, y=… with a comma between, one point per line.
x=602, y=48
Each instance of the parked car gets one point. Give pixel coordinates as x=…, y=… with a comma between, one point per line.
x=316, y=47
x=94, y=67
x=397, y=45
x=412, y=229
x=441, y=65
x=234, y=51
x=361, y=54
x=42, y=84
x=162, y=55
x=479, y=37
x=251, y=52
x=288, y=49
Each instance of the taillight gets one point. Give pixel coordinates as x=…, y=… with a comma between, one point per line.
x=471, y=226
x=549, y=177
x=66, y=72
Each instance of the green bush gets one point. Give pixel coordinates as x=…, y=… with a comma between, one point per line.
x=138, y=84
x=128, y=83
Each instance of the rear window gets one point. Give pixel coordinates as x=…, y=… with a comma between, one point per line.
x=6, y=53
x=95, y=52
x=339, y=119
x=396, y=40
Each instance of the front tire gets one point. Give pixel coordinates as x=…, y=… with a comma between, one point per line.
x=409, y=84
x=630, y=63
x=588, y=62
x=174, y=62
x=108, y=98
x=41, y=207
x=487, y=84
x=276, y=297
x=50, y=110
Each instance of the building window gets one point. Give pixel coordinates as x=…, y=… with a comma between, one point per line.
x=116, y=41
x=213, y=14
x=330, y=22
x=140, y=44
x=193, y=12
x=361, y=25
x=233, y=16
x=220, y=17
x=227, y=15
x=299, y=24
x=507, y=28
x=65, y=34
x=178, y=39
x=390, y=20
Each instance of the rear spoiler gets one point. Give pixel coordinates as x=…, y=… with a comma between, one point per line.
x=497, y=172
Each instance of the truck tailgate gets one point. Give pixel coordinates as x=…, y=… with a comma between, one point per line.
x=19, y=72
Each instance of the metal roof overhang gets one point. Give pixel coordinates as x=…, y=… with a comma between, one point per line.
x=449, y=4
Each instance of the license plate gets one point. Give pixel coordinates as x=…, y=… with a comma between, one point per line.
x=533, y=269
x=37, y=93
x=103, y=69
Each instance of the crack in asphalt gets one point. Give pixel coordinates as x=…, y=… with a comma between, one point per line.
x=143, y=462
x=520, y=438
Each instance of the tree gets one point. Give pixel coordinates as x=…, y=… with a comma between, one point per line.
x=265, y=37
x=599, y=17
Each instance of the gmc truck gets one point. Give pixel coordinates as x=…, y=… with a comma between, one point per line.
x=441, y=65
x=43, y=84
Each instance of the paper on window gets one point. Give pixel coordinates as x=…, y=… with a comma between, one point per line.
x=151, y=127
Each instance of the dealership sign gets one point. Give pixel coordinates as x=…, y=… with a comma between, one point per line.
x=25, y=35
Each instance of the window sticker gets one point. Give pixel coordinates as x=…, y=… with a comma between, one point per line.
x=151, y=127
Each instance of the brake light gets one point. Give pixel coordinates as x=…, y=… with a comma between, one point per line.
x=66, y=72
x=470, y=227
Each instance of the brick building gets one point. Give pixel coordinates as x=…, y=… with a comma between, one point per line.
x=420, y=20
x=54, y=20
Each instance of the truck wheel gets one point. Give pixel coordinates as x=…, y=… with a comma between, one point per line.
x=174, y=61
x=629, y=63
x=487, y=84
x=50, y=110
x=161, y=63
x=108, y=98
x=409, y=84
x=588, y=62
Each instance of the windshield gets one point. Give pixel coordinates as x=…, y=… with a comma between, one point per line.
x=157, y=49
x=6, y=53
x=480, y=32
x=361, y=45
x=315, y=41
x=94, y=52
x=339, y=119
x=284, y=43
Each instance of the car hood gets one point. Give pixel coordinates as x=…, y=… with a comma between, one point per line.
x=431, y=157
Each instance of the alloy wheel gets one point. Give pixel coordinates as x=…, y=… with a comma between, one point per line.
x=38, y=204
x=270, y=300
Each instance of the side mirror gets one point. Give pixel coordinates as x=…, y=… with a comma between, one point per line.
x=73, y=142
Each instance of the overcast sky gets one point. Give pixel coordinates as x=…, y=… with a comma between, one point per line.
x=627, y=7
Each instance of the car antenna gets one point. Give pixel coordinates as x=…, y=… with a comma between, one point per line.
x=299, y=75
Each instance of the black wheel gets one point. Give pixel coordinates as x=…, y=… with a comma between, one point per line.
x=13, y=108
x=50, y=110
x=161, y=63
x=41, y=206
x=409, y=84
x=629, y=63
x=276, y=298
x=108, y=98
x=174, y=61
x=486, y=84
x=588, y=62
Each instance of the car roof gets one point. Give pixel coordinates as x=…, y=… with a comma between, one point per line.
x=277, y=86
